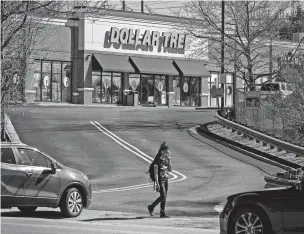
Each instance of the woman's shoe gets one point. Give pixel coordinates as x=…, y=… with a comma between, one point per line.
x=150, y=209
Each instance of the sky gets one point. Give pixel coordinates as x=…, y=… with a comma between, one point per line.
x=161, y=7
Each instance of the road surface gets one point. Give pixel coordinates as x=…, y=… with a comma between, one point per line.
x=81, y=137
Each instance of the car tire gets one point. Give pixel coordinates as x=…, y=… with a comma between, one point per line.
x=72, y=203
x=28, y=209
x=251, y=218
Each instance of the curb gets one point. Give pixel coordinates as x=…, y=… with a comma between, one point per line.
x=261, y=156
x=11, y=132
x=101, y=106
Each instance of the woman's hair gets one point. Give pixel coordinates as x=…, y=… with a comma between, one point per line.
x=163, y=146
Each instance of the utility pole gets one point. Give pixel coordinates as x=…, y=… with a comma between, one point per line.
x=223, y=53
x=270, y=59
x=123, y=5
x=142, y=6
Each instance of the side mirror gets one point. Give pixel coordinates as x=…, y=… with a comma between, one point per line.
x=53, y=168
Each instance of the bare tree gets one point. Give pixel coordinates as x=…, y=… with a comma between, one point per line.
x=251, y=27
x=294, y=103
x=20, y=28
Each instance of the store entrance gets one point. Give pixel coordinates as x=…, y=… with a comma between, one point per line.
x=153, y=90
x=147, y=90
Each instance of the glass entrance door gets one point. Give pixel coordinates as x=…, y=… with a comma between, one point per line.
x=147, y=90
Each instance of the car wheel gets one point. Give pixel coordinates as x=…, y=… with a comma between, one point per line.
x=71, y=204
x=28, y=209
x=249, y=220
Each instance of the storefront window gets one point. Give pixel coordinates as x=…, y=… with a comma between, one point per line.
x=176, y=90
x=147, y=90
x=37, y=79
x=56, y=81
x=46, y=81
x=66, y=82
x=228, y=90
x=106, y=87
x=134, y=84
x=194, y=91
x=116, y=88
x=214, y=82
x=160, y=90
x=185, y=91
x=52, y=80
x=96, y=84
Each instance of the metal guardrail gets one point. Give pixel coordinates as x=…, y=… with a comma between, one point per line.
x=298, y=150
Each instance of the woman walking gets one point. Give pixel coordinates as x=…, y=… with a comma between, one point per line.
x=162, y=167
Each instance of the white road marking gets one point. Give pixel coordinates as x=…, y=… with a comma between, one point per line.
x=139, y=153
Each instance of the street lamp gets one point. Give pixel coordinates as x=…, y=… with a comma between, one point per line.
x=223, y=53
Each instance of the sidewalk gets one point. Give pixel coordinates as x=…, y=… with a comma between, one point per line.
x=99, y=105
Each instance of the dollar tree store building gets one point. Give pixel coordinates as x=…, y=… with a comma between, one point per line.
x=87, y=61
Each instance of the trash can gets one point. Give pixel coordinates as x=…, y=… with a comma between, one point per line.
x=132, y=98
x=125, y=97
x=135, y=98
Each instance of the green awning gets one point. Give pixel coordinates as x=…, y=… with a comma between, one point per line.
x=114, y=63
x=157, y=66
x=191, y=68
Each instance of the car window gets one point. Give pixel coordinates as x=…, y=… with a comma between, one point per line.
x=31, y=157
x=7, y=156
x=270, y=87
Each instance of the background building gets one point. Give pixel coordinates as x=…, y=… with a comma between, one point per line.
x=88, y=60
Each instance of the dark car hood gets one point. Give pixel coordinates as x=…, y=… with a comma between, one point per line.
x=269, y=192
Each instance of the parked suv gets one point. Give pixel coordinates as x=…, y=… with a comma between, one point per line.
x=270, y=211
x=31, y=179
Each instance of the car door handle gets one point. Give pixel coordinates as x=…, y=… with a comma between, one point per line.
x=28, y=173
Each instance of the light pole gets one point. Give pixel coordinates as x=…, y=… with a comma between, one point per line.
x=223, y=53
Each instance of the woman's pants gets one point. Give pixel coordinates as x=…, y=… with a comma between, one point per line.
x=162, y=198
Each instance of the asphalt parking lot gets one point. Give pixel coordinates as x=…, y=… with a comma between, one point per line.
x=69, y=135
